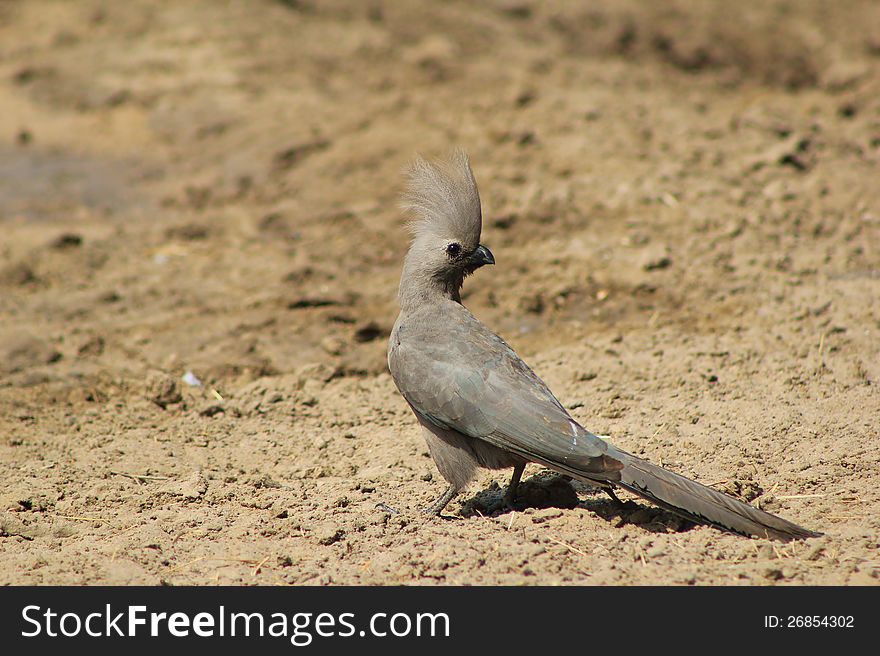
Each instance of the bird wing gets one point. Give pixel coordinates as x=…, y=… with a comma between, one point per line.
x=457, y=374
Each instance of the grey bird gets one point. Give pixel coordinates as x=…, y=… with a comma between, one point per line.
x=479, y=404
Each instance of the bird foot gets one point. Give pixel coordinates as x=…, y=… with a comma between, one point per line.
x=508, y=501
x=436, y=508
x=389, y=509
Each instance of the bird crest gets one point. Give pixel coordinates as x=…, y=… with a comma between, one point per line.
x=443, y=200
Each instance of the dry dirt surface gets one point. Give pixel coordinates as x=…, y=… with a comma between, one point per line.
x=199, y=253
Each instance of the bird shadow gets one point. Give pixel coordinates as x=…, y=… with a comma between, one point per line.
x=550, y=490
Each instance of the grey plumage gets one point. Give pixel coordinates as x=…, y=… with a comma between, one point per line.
x=478, y=403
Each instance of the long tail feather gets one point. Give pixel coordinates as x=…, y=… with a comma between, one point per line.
x=702, y=504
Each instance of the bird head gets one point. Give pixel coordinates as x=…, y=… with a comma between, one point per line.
x=444, y=202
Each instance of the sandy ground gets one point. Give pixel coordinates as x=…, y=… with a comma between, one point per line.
x=684, y=203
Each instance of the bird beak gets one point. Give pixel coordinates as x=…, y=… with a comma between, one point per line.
x=481, y=256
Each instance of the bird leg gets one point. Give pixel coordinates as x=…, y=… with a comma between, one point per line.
x=610, y=492
x=437, y=507
x=510, y=495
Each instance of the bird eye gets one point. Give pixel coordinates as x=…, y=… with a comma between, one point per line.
x=453, y=250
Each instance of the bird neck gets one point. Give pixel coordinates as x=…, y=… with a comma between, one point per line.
x=419, y=287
